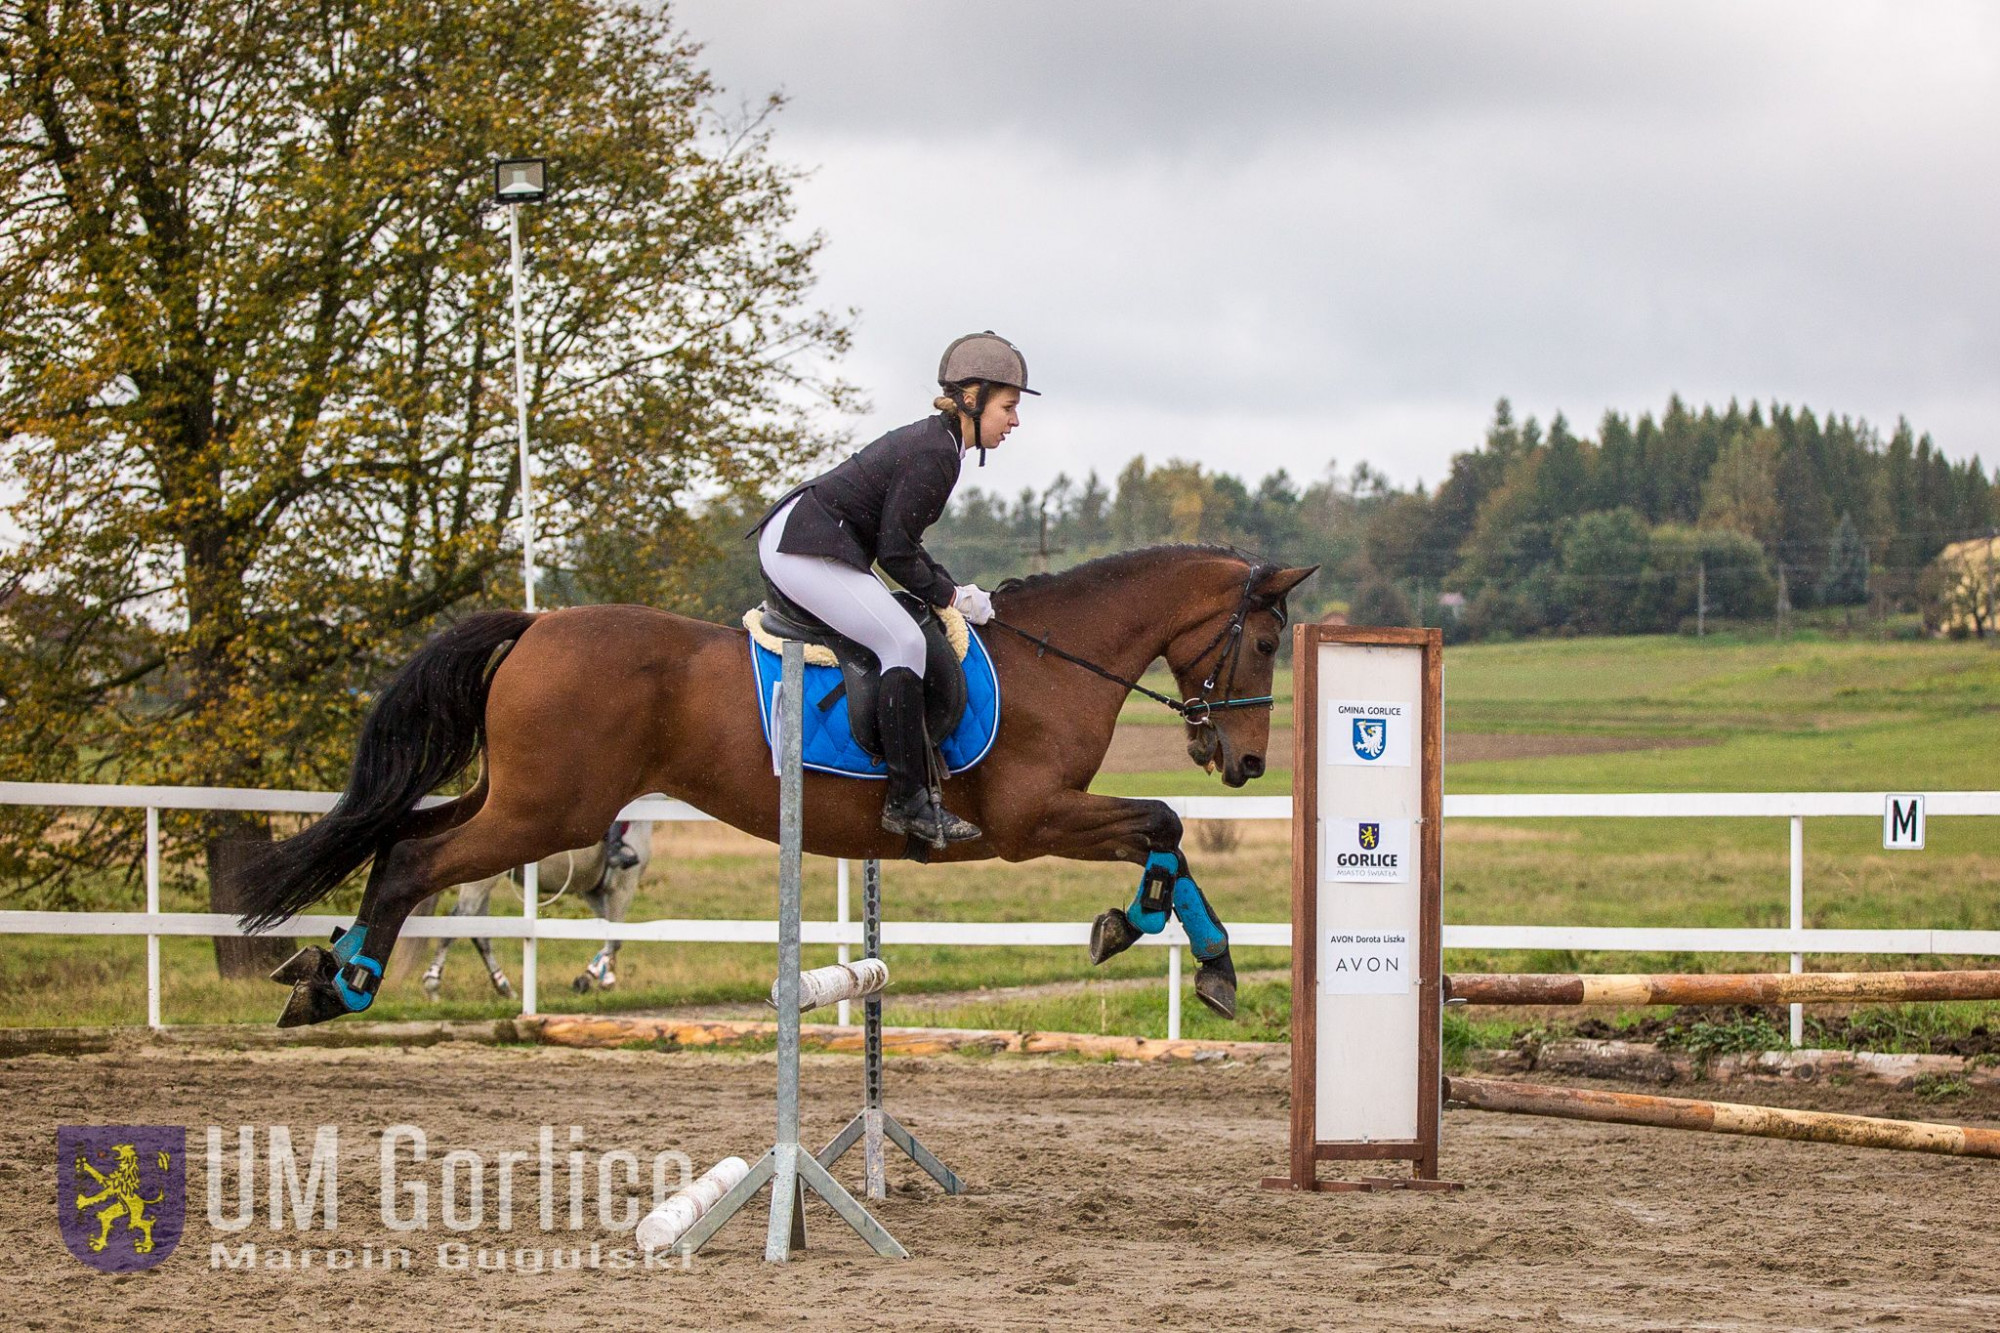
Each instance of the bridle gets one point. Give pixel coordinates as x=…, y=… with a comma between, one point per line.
x=1229, y=639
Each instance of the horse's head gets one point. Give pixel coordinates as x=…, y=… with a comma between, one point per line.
x=1233, y=654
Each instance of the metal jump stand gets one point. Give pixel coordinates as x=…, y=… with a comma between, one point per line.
x=787, y=1167
x=874, y=1124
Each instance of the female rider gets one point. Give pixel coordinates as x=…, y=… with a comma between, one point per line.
x=819, y=543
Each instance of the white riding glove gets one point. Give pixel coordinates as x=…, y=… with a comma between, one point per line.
x=973, y=604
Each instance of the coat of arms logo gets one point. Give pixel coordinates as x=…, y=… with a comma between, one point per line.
x=1371, y=737
x=121, y=1193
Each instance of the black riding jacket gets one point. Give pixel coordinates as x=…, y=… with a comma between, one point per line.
x=874, y=508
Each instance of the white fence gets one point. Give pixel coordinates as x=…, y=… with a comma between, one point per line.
x=529, y=928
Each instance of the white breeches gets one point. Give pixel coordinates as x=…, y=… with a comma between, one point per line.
x=850, y=601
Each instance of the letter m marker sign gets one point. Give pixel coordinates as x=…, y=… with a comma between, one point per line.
x=1903, y=824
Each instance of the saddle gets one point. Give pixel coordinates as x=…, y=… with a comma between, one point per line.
x=945, y=690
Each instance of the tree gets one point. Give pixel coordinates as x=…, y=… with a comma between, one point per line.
x=1562, y=477
x=1393, y=537
x=1805, y=514
x=1741, y=492
x=1681, y=561
x=1846, y=579
x=1604, y=581
x=1088, y=515
x=255, y=361
x=1616, y=480
x=1380, y=602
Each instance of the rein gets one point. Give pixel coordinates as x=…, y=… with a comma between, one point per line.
x=1195, y=712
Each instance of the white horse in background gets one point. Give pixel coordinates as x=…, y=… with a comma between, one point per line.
x=606, y=875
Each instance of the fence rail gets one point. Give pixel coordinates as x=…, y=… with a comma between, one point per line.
x=1794, y=939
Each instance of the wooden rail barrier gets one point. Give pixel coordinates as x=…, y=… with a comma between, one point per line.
x=1769, y=1122
x=1525, y=988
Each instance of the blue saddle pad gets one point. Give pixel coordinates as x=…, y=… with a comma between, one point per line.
x=830, y=746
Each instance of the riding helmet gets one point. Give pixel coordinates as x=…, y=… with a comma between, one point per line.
x=985, y=357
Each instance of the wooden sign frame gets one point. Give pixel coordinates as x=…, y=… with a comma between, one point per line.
x=1307, y=1148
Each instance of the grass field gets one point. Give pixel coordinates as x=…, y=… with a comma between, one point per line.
x=1799, y=715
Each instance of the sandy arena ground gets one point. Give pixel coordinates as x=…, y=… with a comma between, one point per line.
x=1101, y=1196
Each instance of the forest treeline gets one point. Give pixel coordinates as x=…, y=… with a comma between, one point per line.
x=1541, y=528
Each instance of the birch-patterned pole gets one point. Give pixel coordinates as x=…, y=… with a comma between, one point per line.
x=1526, y=988
x=1766, y=1122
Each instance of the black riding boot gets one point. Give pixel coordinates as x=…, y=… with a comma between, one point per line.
x=912, y=809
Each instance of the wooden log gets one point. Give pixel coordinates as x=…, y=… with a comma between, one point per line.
x=1722, y=988
x=611, y=1031
x=1769, y=1122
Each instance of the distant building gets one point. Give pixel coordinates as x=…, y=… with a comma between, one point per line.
x=1334, y=618
x=1452, y=604
x=1966, y=576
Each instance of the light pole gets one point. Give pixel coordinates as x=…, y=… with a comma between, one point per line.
x=517, y=181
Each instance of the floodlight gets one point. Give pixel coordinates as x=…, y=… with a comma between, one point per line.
x=521, y=180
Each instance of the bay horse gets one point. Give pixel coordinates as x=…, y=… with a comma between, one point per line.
x=577, y=712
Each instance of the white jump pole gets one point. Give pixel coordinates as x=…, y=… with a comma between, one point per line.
x=788, y=1168
x=841, y=877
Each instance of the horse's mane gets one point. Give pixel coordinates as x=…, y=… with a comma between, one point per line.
x=1119, y=562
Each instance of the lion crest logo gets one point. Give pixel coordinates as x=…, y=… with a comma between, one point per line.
x=121, y=1193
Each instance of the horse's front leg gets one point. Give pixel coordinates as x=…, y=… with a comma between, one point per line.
x=1086, y=827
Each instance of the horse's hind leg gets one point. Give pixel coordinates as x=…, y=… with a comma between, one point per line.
x=494, y=972
x=612, y=906
x=434, y=974
x=473, y=900
x=327, y=984
x=433, y=978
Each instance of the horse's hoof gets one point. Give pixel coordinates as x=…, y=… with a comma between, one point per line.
x=432, y=987
x=503, y=986
x=310, y=973
x=313, y=1000
x=311, y=1003
x=309, y=962
x=1215, y=986
x=1111, y=934
x=582, y=984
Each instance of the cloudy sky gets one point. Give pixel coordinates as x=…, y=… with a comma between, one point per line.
x=1267, y=235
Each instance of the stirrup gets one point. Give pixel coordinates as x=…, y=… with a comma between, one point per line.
x=929, y=822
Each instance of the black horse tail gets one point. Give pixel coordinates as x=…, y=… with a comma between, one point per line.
x=428, y=723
